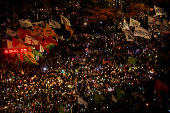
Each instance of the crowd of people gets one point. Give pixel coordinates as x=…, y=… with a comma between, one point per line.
x=82, y=65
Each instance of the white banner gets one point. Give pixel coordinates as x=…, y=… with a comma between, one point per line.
x=25, y=23
x=30, y=40
x=64, y=20
x=54, y=24
x=10, y=32
x=134, y=23
x=159, y=11
x=141, y=32
x=81, y=101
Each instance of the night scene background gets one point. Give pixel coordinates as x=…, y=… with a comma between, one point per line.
x=84, y=56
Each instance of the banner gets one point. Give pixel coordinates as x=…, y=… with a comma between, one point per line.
x=10, y=32
x=134, y=23
x=81, y=101
x=64, y=20
x=54, y=24
x=159, y=11
x=30, y=40
x=25, y=23
x=141, y=32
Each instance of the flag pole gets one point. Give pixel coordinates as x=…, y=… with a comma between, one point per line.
x=121, y=12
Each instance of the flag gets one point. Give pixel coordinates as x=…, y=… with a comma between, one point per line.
x=81, y=101
x=125, y=25
x=49, y=32
x=54, y=24
x=121, y=95
x=132, y=60
x=9, y=44
x=161, y=86
x=64, y=20
x=10, y=32
x=30, y=40
x=129, y=36
x=21, y=33
x=26, y=59
x=31, y=57
x=141, y=32
x=41, y=49
x=14, y=42
x=50, y=39
x=37, y=53
x=99, y=98
x=25, y=23
x=134, y=23
x=69, y=29
x=114, y=99
x=159, y=11
x=63, y=109
x=38, y=31
x=33, y=34
x=47, y=45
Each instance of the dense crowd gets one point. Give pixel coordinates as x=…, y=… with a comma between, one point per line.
x=85, y=64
